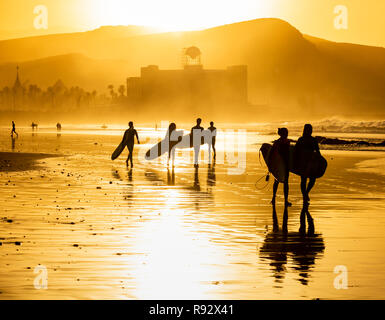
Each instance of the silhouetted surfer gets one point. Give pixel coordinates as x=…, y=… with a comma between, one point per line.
x=14, y=129
x=213, y=131
x=304, y=152
x=282, y=146
x=172, y=141
x=129, y=138
x=196, y=140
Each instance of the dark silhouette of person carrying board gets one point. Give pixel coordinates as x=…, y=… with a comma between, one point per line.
x=196, y=140
x=304, y=151
x=282, y=147
x=129, y=138
x=129, y=141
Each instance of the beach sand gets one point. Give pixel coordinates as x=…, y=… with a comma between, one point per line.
x=103, y=231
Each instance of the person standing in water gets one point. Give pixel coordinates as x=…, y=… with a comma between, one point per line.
x=213, y=131
x=282, y=146
x=129, y=138
x=305, y=148
x=14, y=130
x=196, y=140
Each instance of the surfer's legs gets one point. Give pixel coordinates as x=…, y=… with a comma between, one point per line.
x=286, y=190
x=303, y=189
x=275, y=219
x=310, y=185
x=196, y=156
x=130, y=151
x=172, y=156
x=275, y=189
x=213, y=146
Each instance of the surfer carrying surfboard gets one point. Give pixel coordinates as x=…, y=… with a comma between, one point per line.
x=129, y=141
x=281, y=147
x=196, y=140
x=305, y=149
x=173, y=138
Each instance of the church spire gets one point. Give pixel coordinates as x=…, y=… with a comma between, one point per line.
x=17, y=81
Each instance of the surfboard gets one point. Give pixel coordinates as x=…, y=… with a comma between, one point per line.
x=119, y=150
x=315, y=169
x=185, y=142
x=163, y=146
x=274, y=162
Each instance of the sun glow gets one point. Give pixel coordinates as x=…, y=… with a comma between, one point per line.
x=175, y=15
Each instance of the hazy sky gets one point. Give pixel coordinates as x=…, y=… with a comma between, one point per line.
x=366, y=22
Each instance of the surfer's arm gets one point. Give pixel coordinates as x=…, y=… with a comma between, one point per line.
x=137, y=137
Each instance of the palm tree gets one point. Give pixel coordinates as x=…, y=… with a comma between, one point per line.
x=111, y=88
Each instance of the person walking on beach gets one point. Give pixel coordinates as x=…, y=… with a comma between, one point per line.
x=282, y=147
x=14, y=130
x=129, y=138
x=304, y=151
x=172, y=142
x=196, y=140
x=213, y=131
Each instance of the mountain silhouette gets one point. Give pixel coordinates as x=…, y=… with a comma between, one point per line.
x=289, y=74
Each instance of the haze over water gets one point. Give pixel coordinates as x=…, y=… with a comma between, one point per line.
x=104, y=231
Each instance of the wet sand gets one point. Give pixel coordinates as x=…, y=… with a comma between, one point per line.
x=17, y=161
x=107, y=232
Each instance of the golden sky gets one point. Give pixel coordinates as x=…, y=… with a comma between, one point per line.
x=366, y=22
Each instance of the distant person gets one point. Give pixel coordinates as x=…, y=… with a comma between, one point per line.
x=34, y=126
x=282, y=146
x=305, y=148
x=129, y=138
x=213, y=137
x=14, y=129
x=58, y=126
x=196, y=140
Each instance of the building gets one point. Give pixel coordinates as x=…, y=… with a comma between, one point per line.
x=190, y=86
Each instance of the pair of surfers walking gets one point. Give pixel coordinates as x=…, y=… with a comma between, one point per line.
x=304, y=151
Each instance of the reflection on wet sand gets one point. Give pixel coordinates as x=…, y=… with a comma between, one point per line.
x=196, y=195
x=211, y=177
x=129, y=188
x=303, y=251
x=13, y=139
x=302, y=248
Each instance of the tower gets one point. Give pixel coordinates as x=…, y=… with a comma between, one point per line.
x=191, y=56
x=18, y=91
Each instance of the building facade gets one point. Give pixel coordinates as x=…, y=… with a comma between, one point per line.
x=190, y=86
